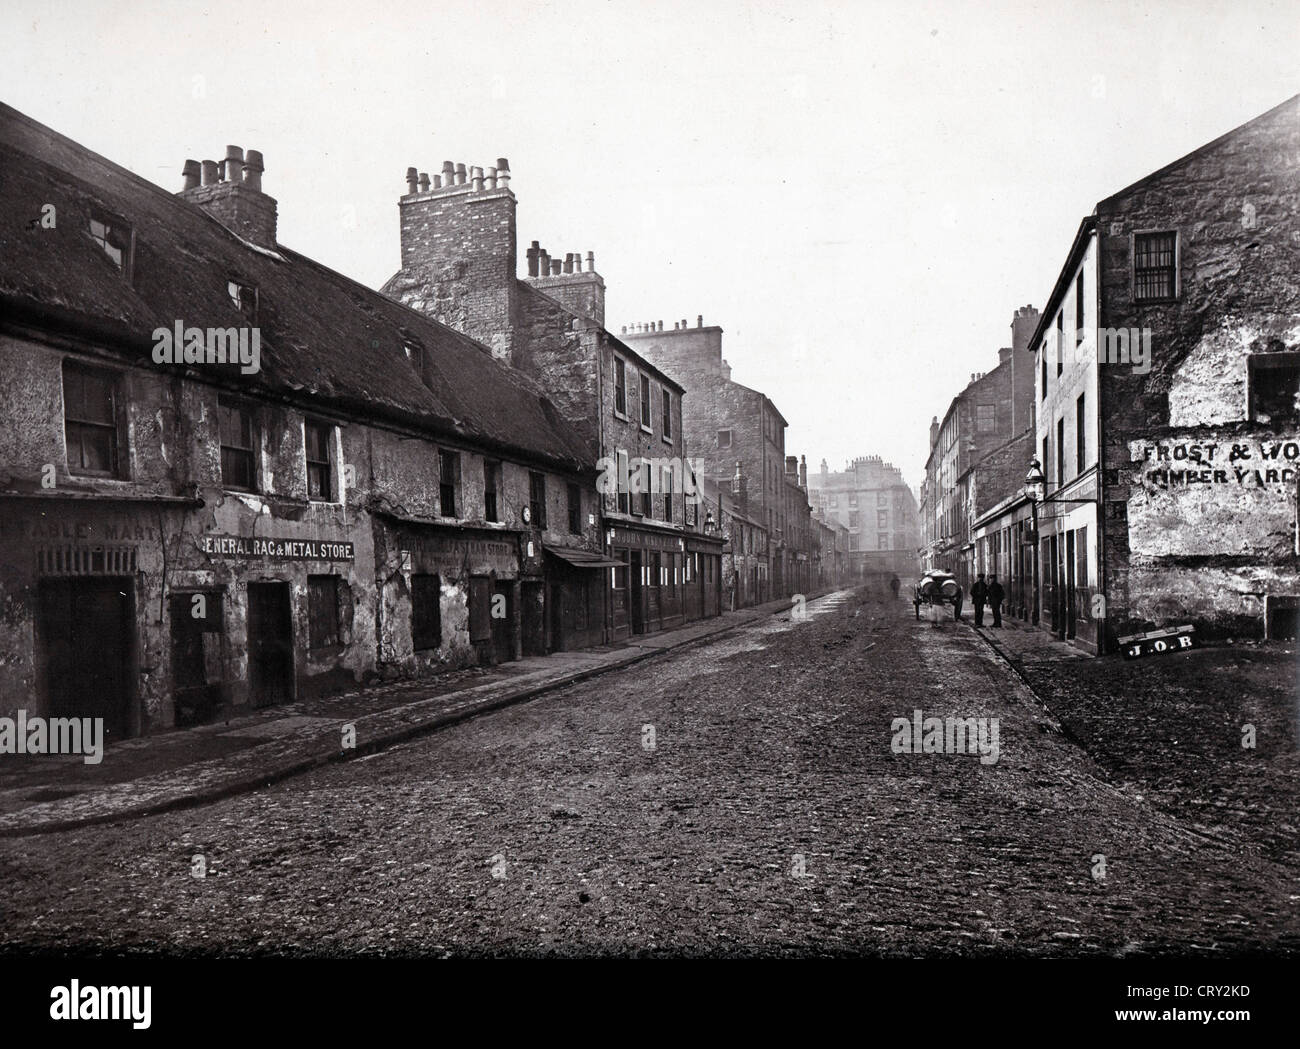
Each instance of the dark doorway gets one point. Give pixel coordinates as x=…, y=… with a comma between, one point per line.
x=88, y=638
x=534, y=618
x=503, y=622
x=636, y=606
x=198, y=656
x=1069, y=585
x=270, y=644
x=555, y=604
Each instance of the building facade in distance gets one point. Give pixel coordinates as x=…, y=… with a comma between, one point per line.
x=870, y=499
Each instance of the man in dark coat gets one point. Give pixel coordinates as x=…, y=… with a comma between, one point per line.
x=979, y=594
x=996, y=594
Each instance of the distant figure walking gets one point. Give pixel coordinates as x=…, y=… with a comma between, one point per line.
x=893, y=585
x=996, y=594
x=979, y=595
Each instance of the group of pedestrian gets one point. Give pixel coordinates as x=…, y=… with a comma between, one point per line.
x=991, y=594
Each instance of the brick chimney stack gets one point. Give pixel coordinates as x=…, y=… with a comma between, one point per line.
x=803, y=472
x=740, y=490
x=231, y=192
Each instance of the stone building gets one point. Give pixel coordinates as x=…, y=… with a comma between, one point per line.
x=459, y=265
x=727, y=423
x=1168, y=432
x=230, y=477
x=993, y=409
x=870, y=499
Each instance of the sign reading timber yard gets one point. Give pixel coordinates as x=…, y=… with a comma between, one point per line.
x=268, y=547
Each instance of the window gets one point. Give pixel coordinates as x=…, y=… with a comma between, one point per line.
x=244, y=296
x=426, y=612
x=491, y=485
x=414, y=353
x=853, y=518
x=238, y=446
x=645, y=401
x=1080, y=437
x=882, y=520
x=1273, y=387
x=882, y=543
x=832, y=500
x=1060, y=341
x=319, y=437
x=668, y=410
x=853, y=498
x=647, y=496
x=1155, y=266
x=1078, y=308
x=1047, y=464
x=724, y=438
x=986, y=420
x=620, y=386
x=882, y=499
x=448, y=481
x=90, y=419
x=575, y=509
x=114, y=238
x=1060, y=451
x=537, y=498
x=624, y=477
x=1042, y=361
x=322, y=611
x=668, y=493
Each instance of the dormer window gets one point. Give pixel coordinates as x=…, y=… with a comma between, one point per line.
x=115, y=238
x=244, y=297
x=413, y=352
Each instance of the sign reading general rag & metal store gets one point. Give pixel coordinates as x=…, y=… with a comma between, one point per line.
x=270, y=548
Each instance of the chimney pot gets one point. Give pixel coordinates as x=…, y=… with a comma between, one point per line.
x=209, y=172
x=411, y=179
x=448, y=173
x=234, y=164
x=568, y=262
x=502, y=164
x=461, y=174
x=557, y=266
x=491, y=178
x=437, y=181
x=624, y=329
x=661, y=325
x=699, y=321
x=476, y=179
x=192, y=173
x=253, y=168
x=424, y=182
x=591, y=262
x=532, y=254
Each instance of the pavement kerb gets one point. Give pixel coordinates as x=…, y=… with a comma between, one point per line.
x=11, y=825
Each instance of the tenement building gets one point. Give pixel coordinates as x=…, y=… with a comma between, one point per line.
x=1168, y=399
x=993, y=409
x=231, y=477
x=459, y=266
x=871, y=500
x=728, y=423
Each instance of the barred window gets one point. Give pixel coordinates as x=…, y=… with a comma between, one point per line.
x=1155, y=266
x=323, y=610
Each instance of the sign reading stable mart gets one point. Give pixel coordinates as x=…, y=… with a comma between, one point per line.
x=268, y=547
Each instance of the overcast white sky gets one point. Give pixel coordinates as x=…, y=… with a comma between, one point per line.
x=860, y=193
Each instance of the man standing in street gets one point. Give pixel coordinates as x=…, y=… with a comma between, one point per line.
x=979, y=594
x=995, y=594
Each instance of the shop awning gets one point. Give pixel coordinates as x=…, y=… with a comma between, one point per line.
x=584, y=558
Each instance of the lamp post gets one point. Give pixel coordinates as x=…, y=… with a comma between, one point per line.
x=1035, y=490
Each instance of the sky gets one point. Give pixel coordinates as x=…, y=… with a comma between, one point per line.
x=859, y=193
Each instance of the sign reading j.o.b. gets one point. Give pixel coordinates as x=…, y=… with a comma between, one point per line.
x=244, y=546
x=1156, y=642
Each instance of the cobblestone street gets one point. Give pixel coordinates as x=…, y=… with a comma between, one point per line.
x=739, y=797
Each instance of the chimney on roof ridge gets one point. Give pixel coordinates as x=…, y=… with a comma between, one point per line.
x=237, y=202
x=424, y=182
x=412, y=180
x=699, y=321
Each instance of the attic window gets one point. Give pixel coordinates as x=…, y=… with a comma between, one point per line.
x=114, y=237
x=413, y=352
x=244, y=296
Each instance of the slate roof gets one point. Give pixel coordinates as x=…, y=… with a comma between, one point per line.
x=322, y=334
